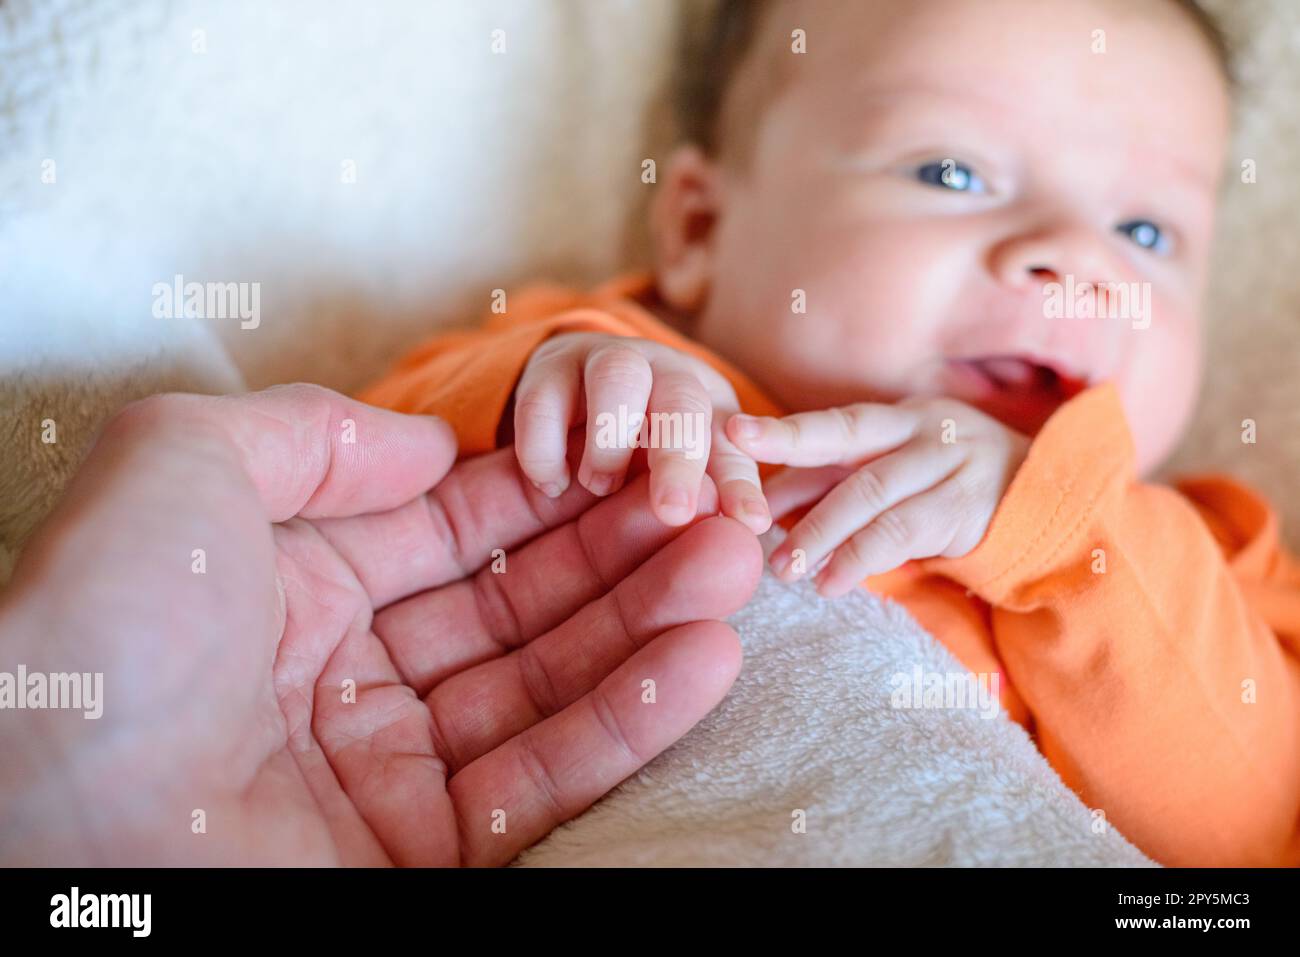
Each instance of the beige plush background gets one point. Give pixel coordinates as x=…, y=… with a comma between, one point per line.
x=1253, y=324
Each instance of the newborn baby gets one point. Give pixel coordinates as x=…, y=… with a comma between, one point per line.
x=944, y=261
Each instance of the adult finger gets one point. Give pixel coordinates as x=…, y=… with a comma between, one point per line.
x=707, y=572
x=517, y=793
x=484, y=506
x=437, y=633
x=305, y=449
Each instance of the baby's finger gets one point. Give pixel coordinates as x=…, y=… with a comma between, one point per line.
x=845, y=435
x=793, y=488
x=545, y=403
x=920, y=527
x=678, y=440
x=617, y=378
x=860, y=499
x=740, y=491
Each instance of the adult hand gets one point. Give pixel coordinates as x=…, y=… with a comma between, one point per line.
x=309, y=656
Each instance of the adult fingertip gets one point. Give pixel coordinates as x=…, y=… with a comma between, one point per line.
x=742, y=548
x=724, y=652
x=442, y=433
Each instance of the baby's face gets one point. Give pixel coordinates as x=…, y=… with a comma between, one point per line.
x=928, y=169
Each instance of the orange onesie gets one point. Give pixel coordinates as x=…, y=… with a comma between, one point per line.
x=1148, y=637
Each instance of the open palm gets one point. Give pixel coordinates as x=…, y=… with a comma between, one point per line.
x=320, y=646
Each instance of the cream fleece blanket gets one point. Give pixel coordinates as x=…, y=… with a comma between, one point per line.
x=490, y=143
x=808, y=762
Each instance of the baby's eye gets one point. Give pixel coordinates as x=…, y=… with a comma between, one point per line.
x=1146, y=234
x=951, y=175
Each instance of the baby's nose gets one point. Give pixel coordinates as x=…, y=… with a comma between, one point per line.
x=1050, y=255
x=1060, y=273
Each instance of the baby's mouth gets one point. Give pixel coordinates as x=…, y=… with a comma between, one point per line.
x=1020, y=391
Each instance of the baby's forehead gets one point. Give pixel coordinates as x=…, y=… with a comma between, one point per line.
x=1026, y=39
x=1092, y=69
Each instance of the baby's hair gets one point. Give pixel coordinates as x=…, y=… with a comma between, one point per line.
x=711, y=61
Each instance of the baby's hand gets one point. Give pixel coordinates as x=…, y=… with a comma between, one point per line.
x=935, y=470
x=616, y=383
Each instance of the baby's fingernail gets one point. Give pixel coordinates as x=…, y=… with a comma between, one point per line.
x=745, y=427
x=600, y=483
x=552, y=489
x=674, y=498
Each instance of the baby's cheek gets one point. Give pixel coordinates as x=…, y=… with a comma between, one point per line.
x=1160, y=391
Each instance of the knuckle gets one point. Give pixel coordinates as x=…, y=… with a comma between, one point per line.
x=974, y=491
x=893, y=530
x=607, y=714
x=682, y=391
x=732, y=465
x=972, y=514
x=844, y=422
x=561, y=343
x=617, y=364
x=857, y=550
x=535, y=462
x=810, y=532
x=534, y=408
x=714, y=382
x=963, y=489
x=303, y=391
x=795, y=431
x=848, y=420
x=548, y=350
x=537, y=771
x=869, y=490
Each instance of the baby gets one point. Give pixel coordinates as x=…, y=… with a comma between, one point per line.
x=944, y=261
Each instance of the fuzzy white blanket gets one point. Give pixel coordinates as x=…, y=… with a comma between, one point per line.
x=808, y=762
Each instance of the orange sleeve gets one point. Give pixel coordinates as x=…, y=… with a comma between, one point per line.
x=468, y=377
x=1155, y=638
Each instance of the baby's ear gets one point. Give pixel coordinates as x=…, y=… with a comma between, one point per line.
x=683, y=215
